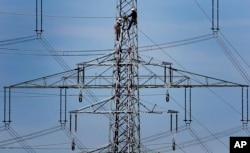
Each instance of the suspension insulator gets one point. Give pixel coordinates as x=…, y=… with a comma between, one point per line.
x=173, y=146
x=73, y=145
x=80, y=97
x=167, y=96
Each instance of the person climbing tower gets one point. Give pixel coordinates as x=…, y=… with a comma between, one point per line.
x=133, y=19
x=117, y=28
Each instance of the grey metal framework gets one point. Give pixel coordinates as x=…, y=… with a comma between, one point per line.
x=125, y=125
x=152, y=76
x=124, y=72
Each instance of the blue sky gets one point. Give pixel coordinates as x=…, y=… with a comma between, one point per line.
x=88, y=25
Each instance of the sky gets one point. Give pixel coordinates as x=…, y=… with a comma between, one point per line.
x=87, y=26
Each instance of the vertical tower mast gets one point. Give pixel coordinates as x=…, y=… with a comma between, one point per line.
x=125, y=110
x=125, y=120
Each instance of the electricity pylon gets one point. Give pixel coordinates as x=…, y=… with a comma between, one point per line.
x=124, y=120
x=125, y=73
x=125, y=126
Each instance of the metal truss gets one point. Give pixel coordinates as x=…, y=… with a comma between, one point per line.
x=124, y=72
x=152, y=75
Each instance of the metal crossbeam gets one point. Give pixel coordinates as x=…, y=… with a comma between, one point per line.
x=125, y=73
x=80, y=77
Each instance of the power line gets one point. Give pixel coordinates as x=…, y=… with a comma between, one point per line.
x=224, y=47
x=61, y=62
x=52, y=51
x=20, y=140
x=30, y=136
x=235, y=50
x=166, y=147
x=209, y=35
x=44, y=54
x=203, y=11
x=175, y=43
x=93, y=52
x=58, y=16
x=196, y=136
x=17, y=40
x=212, y=135
x=233, y=60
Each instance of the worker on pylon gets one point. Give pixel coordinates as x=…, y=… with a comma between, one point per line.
x=133, y=19
x=117, y=28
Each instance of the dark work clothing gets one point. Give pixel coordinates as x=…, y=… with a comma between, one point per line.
x=133, y=15
x=133, y=19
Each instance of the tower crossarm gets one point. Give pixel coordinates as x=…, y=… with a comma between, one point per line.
x=151, y=76
x=194, y=80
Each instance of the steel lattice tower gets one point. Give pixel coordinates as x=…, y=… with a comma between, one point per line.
x=126, y=123
x=119, y=72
